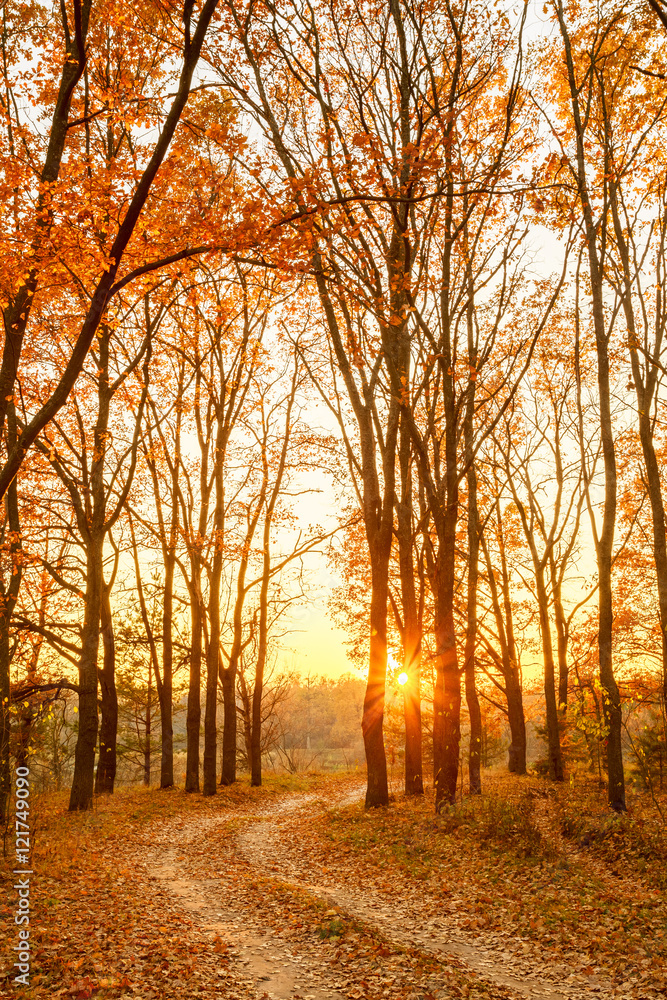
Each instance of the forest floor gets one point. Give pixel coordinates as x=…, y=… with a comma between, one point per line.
x=295, y=891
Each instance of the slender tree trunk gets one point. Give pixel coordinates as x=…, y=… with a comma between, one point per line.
x=5, y=717
x=8, y=595
x=645, y=389
x=246, y=702
x=147, y=744
x=211, y=710
x=552, y=718
x=605, y=540
x=256, y=731
x=213, y=652
x=193, y=722
x=167, y=687
x=472, y=698
x=258, y=687
x=562, y=633
x=508, y=663
x=81, y=795
x=106, y=764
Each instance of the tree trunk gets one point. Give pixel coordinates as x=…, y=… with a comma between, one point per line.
x=106, y=764
x=517, y=722
x=552, y=718
x=81, y=795
x=646, y=387
x=414, y=779
x=605, y=541
x=246, y=701
x=377, y=789
x=256, y=737
x=472, y=698
x=167, y=687
x=447, y=695
x=258, y=687
x=562, y=631
x=229, y=732
x=446, y=708
x=508, y=662
x=147, y=744
x=8, y=596
x=412, y=627
x=193, y=723
x=5, y=725
x=210, y=714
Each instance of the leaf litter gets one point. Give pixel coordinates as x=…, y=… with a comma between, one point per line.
x=260, y=894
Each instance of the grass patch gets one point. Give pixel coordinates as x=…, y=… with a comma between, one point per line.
x=502, y=863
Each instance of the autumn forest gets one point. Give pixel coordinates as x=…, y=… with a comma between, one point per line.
x=352, y=305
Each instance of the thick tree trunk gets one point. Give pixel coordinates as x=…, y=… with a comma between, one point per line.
x=446, y=708
x=377, y=789
x=106, y=764
x=210, y=714
x=229, y=732
x=517, y=721
x=447, y=695
x=414, y=778
x=412, y=627
x=81, y=795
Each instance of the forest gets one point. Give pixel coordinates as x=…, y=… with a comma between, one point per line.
x=347, y=303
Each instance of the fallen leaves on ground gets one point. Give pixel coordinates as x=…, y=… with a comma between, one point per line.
x=505, y=866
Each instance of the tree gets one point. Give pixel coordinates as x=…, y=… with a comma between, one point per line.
x=598, y=112
x=45, y=265
x=82, y=456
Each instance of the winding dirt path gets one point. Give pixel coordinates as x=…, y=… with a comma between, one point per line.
x=261, y=900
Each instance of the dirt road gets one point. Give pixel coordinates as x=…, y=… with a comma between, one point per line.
x=288, y=927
